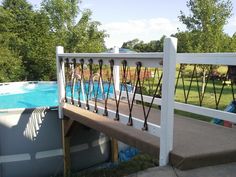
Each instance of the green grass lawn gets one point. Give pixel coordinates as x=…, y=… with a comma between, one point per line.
x=210, y=98
x=138, y=163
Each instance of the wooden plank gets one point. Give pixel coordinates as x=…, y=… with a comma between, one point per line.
x=68, y=126
x=129, y=135
x=138, y=121
x=114, y=150
x=196, y=143
x=66, y=149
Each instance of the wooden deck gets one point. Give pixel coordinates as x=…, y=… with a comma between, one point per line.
x=196, y=143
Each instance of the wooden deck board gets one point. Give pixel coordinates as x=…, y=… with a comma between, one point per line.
x=196, y=143
x=142, y=140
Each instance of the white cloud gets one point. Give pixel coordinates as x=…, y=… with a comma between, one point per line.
x=143, y=29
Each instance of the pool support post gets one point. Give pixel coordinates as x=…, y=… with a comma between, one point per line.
x=66, y=126
x=66, y=123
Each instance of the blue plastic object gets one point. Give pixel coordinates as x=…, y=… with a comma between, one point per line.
x=230, y=108
x=127, y=154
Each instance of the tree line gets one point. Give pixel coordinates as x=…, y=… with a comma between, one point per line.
x=28, y=37
x=205, y=30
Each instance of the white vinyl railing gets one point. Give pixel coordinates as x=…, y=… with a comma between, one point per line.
x=207, y=58
x=225, y=59
x=165, y=60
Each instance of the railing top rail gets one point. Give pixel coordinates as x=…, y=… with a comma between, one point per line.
x=155, y=55
x=207, y=58
x=147, y=59
x=186, y=58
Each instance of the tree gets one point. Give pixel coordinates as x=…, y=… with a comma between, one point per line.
x=11, y=66
x=10, y=62
x=205, y=25
x=130, y=44
x=6, y=25
x=140, y=46
x=30, y=36
x=41, y=50
x=62, y=13
x=233, y=43
x=85, y=35
x=20, y=28
x=206, y=22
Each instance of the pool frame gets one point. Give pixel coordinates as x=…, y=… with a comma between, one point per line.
x=20, y=153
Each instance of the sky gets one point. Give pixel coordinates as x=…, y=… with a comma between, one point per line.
x=147, y=20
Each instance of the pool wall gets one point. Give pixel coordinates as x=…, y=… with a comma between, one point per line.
x=30, y=144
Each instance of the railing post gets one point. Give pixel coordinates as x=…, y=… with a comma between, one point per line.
x=60, y=80
x=167, y=106
x=116, y=73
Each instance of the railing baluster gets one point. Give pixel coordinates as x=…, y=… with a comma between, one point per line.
x=110, y=80
x=90, y=81
x=81, y=83
x=73, y=79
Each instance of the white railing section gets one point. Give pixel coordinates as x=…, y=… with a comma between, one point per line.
x=148, y=59
x=203, y=59
x=153, y=129
x=165, y=60
x=206, y=59
x=170, y=58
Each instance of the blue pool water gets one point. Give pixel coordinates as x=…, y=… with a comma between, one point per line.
x=42, y=94
x=31, y=95
x=28, y=95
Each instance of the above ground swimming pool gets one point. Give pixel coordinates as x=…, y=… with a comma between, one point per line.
x=31, y=138
x=28, y=95
x=36, y=94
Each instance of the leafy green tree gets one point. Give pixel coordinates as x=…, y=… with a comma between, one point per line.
x=62, y=13
x=140, y=46
x=11, y=66
x=85, y=35
x=41, y=54
x=10, y=62
x=20, y=12
x=187, y=41
x=130, y=44
x=206, y=21
x=233, y=43
x=20, y=28
x=205, y=25
x=31, y=36
x=6, y=24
